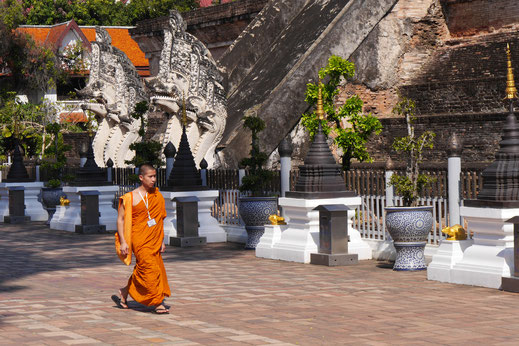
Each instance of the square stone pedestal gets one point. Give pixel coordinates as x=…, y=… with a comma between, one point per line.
x=448, y=254
x=491, y=255
x=67, y=217
x=33, y=207
x=300, y=237
x=209, y=226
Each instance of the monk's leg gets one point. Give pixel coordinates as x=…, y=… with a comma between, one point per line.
x=123, y=294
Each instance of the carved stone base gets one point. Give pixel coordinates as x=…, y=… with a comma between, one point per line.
x=187, y=241
x=334, y=260
x=510, y=284
x=16, y=219
x=90, y=229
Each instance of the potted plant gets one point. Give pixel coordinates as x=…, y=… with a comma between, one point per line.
x=410, y=224
x=256, y=206
x=53, y=165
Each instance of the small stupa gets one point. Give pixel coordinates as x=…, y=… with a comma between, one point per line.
x=17, y=172
x=184, y=176
x=501, y=178
x=320, y=176
x=90, y=174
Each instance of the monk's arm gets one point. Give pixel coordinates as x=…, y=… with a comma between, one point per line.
x=120, y=229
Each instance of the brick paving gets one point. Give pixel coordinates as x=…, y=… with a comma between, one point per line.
x=55, y=289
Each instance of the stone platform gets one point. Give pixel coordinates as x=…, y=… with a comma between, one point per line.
x=33, y=206
x=67, y=217
x=209, y=226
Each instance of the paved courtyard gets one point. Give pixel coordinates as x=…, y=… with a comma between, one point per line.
x=55, y=289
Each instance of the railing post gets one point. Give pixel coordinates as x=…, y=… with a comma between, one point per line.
x=83, y=149
x=36, y=170
x=285, y=152
x=241, y=174
x=203, y=172
x=109, y=167
x=169, y=152
x=454, y=171
x=389, y=188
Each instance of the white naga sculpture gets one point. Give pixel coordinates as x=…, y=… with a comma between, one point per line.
x=187, y=69
x=115, y=87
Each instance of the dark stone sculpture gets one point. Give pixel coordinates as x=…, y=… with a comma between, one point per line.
x=17, y=172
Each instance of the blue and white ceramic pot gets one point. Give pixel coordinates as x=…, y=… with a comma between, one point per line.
x=50, y=199
x=409, y=228
x=255, y=212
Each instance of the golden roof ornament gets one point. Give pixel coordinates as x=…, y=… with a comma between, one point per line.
x=184, y=116
x=320, y=108
x=511, y=90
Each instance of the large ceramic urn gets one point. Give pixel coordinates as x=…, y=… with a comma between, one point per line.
x=409, y=227
x=255, y=212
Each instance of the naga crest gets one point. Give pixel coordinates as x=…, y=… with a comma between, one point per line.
x=115, y=88
x=187, y=69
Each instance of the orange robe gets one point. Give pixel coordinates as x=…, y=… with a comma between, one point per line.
x=148, y=284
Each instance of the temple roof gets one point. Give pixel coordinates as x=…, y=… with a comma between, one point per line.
x=53, y=35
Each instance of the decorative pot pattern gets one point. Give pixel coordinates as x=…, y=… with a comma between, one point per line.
x=409, y=228
x=255, y=212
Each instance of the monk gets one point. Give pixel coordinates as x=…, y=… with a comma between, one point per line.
x=140, y=228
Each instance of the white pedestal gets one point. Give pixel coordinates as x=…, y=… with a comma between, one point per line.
x=357, y=245
x=33, y=207
x=66, y=218
x=209, y=226
x=491, y=256
x=300, y=237
x=448, y=254
x=271, y=236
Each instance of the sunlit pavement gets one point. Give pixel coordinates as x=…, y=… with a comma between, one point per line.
x=55, y=289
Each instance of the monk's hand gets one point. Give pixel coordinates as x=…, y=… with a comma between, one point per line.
x=163, y=248
x=124, y=249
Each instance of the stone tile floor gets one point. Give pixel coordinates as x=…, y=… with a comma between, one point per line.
x=55, y=289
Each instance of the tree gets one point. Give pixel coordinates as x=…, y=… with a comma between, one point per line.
x=30, y=66
x=97, y=12
x=411, y=185
x=351, y=140
x=145, y=151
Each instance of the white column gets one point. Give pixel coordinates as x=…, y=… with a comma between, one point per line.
x=389, y=189
x=454, y=171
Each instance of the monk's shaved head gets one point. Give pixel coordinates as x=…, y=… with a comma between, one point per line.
x=145, y=168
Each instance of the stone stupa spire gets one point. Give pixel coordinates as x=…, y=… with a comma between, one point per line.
x=320, y=176
x=501, y=178
x=184, y=176
x=17, y=172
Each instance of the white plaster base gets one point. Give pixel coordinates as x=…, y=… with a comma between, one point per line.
x=236, y=233
x=491, y=256
x=300, y=237
x=271, y=236
x=209, y=226
x=448, y=254
x=33, y=207
x=66, y=218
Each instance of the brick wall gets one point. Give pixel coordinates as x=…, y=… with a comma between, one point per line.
x=480, y=133
x=468, y=17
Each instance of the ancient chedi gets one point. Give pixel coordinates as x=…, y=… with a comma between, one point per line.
x=184, y=176
x=501, y=178
x=320, y=176
x=17, y=171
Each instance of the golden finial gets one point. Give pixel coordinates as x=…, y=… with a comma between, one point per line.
x=511, y=91
x=320, y=109
x=184, y=116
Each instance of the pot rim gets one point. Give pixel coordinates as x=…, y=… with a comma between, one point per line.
x=250, y=198
x=424, y=207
